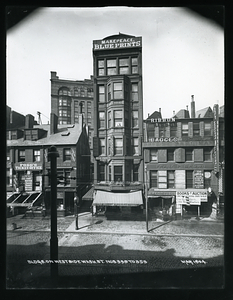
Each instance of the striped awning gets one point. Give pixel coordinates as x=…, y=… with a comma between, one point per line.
x=103, y=198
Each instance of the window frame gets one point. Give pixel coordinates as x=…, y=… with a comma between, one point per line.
x=66, y=157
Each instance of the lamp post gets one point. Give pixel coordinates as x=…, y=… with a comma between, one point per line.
x=146, y=196
x=53, y=154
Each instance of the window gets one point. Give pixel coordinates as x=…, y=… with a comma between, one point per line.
x=67, y=154
x=67, y=177
x=196, y=129
x=135, y=146
x=189, y=154
x=101, y=93
x=207, y=128
x=134, y=63
x=170, y=179
x=118, y=118
x=161, y=131
x=109, y=92
x=170, y=154
x=110, y=173
x=207, y=179
x=89, y=93
x=124, y=66
x=153, y=179
x=151, y=132
x=135, y=172
x=189, y=179
x=118, y=146
x=184, y=129
x=36, y=154
x=173, y=130
x=154, y=155
x=102, y=146
x=208, y=154
x=101, y=119
x=117, y=90
x=111, y=67
x=102, y=172
x=109, y=119
x=21, y=155
x=100, y=67
x=135, y=118
x=134, y=91
x=118, y=176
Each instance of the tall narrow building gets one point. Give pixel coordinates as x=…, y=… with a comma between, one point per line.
x=118, y=122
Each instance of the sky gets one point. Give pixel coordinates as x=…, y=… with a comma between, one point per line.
x=182, y=55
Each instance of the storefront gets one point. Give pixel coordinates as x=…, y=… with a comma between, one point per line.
x=177, y=203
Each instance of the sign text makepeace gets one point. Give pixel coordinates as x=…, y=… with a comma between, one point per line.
x=117, y=43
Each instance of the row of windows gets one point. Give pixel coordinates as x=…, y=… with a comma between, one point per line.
x=114, y=66
x=79, y=92
x=160, y=130
x=116, y=173
x=189, y=154
x=167, y=180
x=117, y=90
x=117, y=120
x=37, y=155
x=117, y=147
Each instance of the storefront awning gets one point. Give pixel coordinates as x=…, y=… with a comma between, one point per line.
x=103, y=198
x=155, y=193
x=88, y=195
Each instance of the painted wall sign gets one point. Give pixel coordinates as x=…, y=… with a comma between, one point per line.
x=117, y=43
x=198, y=179
x=164, y=139
x=163, y=120
x=28, y=166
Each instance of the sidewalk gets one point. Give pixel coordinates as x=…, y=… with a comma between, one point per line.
x=100, y=224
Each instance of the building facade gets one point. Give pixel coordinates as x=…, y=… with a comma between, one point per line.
x=70, y=99
x=184, y=162
x=27, y=155
x=118, y=121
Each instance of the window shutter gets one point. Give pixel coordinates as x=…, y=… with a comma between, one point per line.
x=180, y=155
x=180, y=179
x=179, y=133
x=147, y=155
x=190, y=128
x=202, y=128
x=29, y=155
x=198, y=155
x=156, y=131
x=162, y=155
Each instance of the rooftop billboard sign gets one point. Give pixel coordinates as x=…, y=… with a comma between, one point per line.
x=108, y=44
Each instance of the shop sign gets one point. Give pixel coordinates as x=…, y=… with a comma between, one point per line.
x=191, y=197
x=117, y=43
x=28, y=166
x=198, y=179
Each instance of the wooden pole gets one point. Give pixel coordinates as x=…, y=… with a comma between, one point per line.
x=53, y=154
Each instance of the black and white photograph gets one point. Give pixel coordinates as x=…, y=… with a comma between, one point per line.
x=115, y=147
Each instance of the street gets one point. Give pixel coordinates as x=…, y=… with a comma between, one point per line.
x=115, y=260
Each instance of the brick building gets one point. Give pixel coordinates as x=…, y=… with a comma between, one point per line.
x=28, y=156
x=118, y=122
x=184, y=158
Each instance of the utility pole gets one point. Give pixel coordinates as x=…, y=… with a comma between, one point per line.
x=53, y=154
x=146, y=196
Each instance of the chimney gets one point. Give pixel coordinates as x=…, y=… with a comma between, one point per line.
x=192, y=107
x=53, y=123
x=174, y=113
x=187, y=108
x=29, y=121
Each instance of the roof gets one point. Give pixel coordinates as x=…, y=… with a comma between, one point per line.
x=204, y=113
x=182, y=114
x=65, y=135
x=117, y=36
x=155, y=115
